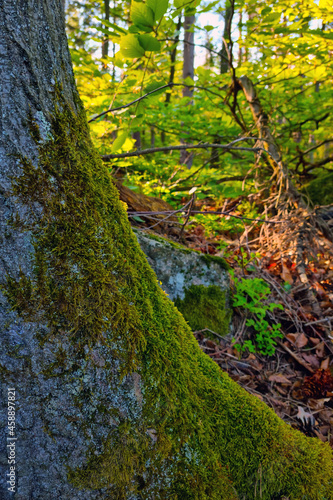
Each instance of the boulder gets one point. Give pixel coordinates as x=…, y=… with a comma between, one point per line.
x=197, y=283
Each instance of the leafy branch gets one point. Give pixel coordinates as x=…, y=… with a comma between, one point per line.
x=168, y=85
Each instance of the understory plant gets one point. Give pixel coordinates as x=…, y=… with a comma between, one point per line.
x=251, y=295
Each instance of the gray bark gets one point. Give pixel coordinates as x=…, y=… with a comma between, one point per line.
x=188, y=71
x=224, y=64
x=50, y=435
x=105, y=46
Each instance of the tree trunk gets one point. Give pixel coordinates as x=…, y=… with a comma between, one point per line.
x=224, y=58
x=114, y=398
x=173, y=57
x=188, y=71
x=105, y=46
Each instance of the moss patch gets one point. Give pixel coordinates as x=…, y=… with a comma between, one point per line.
x=204, y=307
x=199, y=435
x=320, y=189
x=207, y=258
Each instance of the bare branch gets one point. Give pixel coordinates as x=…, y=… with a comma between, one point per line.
x=316, y=146
x=170, y=213
x=187, y=146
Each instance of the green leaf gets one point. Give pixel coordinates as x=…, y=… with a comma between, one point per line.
x=142, y=16
x=130, y=46
x=137, y=218
x=108, y=32
x=111, y=25
x=136, y=122
x=274, y=16
x=189, y=81
x=149, y=43
x=119, y=142
x=155, y=85
x=159, y=7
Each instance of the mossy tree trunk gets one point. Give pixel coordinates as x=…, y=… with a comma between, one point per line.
x=113, y=395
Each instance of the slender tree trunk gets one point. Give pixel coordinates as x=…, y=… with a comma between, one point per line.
x=268, y=141
x=105, y=46
x=113, y=396
x=188, y=71
x=224, y=64
x=224, y=68
x=173, y=57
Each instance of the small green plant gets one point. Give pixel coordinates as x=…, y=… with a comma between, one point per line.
x=251, y=294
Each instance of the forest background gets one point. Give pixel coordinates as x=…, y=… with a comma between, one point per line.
x=221, y=111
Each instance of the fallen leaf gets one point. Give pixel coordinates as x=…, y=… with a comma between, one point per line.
x=326, y=304
x=320, y=436
x=325, y=364
x=281, y=391
x=320, y=350
x=314, y=341
x=286, y=275
x=311, y=359
x=319, y=289
x=301, y=340
x=292, y=337
x=326, y=416
x=324, y=429
x=317, y=404
x=279, y=378
x=250, y=356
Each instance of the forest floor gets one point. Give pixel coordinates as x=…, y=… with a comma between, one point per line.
x=293, y=255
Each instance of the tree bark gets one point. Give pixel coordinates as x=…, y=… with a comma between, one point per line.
x=114, y=398
x=268, y=141
x=224, y=58
x=188, y=71
x=173, y=56
x=105, y=46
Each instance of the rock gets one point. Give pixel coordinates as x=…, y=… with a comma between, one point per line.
x=198, y=284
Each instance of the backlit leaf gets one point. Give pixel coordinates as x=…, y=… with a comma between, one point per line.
x=142, y=16
x=149, y=43
x=119, y=142
x=159, y=7
x=130, y=46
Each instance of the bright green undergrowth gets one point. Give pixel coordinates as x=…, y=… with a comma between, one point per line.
x=251, y=295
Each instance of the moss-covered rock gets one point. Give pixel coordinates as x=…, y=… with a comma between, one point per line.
x=198, y=284
x=185, y=431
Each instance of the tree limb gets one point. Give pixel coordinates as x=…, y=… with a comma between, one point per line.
x=185, y=146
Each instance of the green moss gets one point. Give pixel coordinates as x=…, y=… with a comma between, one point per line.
x=320, y=189
x=167, y=241
x=214, y=258
x=204, y=307
x=199, y=435
x=207, y=258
